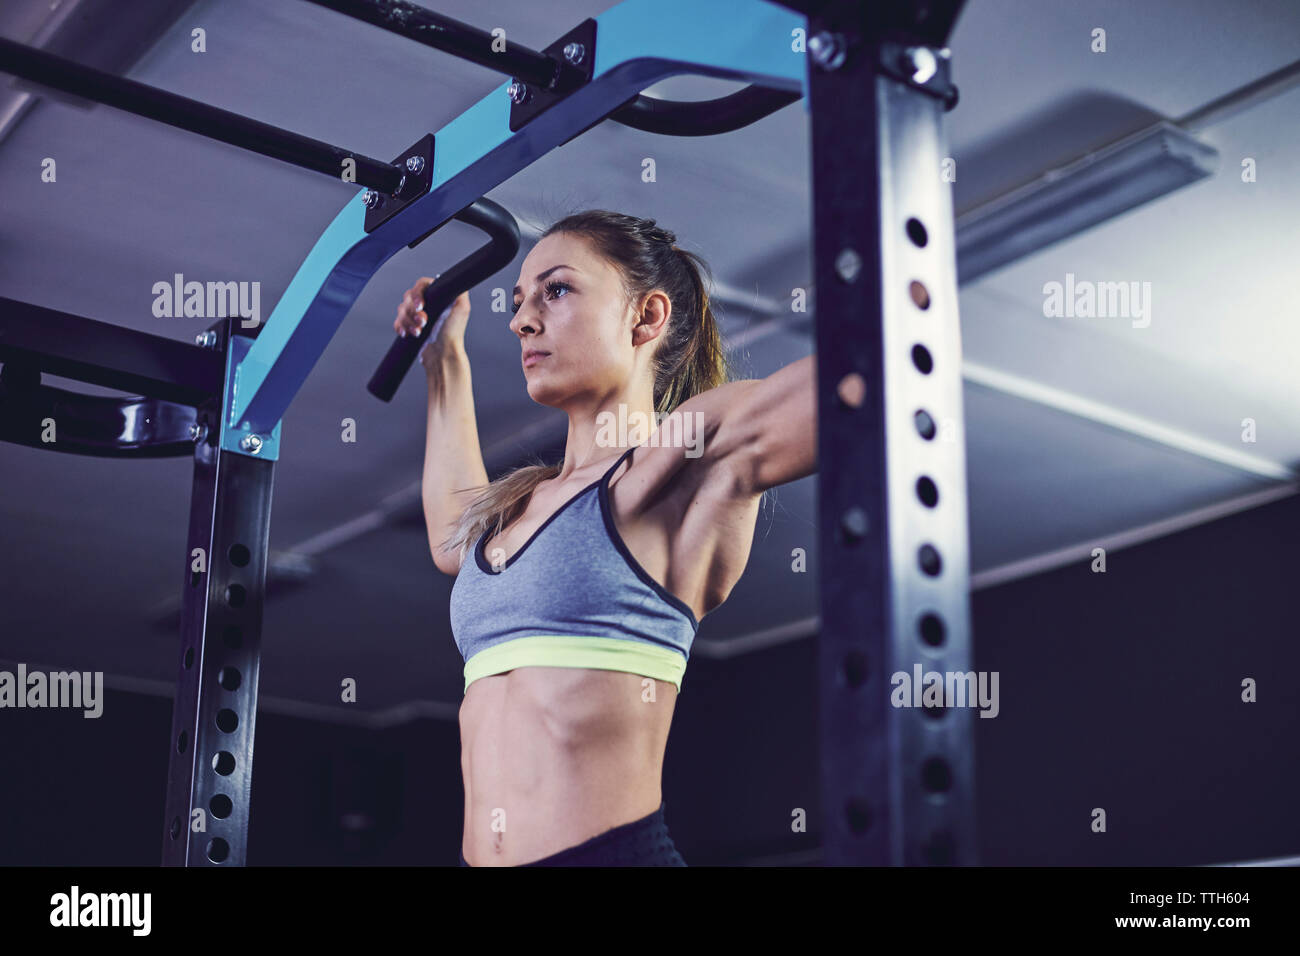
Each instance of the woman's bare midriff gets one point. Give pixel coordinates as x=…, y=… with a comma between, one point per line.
x=553, y=756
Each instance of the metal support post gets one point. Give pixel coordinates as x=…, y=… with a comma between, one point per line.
x=209, y=777
x=896, y=774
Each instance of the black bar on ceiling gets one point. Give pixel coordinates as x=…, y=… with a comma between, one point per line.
x=184, y=113
x=100, y=353
x=450, y=36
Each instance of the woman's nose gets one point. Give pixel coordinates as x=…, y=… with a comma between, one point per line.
x=520, y=323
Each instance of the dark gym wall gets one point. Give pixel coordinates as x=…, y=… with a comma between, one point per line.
x=1119, y=691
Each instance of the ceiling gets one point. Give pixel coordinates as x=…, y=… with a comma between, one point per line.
x=1079, y=432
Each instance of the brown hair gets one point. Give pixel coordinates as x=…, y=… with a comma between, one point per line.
x=689, y=360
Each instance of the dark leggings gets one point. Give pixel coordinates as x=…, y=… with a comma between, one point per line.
x=643, y=842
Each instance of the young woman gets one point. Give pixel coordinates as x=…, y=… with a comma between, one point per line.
x=580, y=586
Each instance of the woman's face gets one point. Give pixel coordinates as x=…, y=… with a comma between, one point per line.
x=570, y=304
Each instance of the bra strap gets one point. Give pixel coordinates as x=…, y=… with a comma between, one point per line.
x=613, y=468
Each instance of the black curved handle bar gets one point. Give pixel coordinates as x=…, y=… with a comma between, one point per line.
x=503, y=231
x=703, y=117
x=669, y=118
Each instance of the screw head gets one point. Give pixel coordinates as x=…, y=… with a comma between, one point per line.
x=574, y=52
x=251, y=444
x=206, y=339
x=827, y=50
x=519, y=92
x=196, y=431
x=922, y=63
x=371, y=199
x=414, y=164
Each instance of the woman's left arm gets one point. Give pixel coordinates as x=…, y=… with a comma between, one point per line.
x=765, y=429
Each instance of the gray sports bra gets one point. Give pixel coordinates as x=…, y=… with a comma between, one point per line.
x=572, y=596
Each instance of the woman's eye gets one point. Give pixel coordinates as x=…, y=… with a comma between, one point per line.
x=551, y=287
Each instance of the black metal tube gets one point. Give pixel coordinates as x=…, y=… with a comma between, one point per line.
x=487, y=260
x=91, y=424
x=703, y=117
x=450, y=36
x=925, y=21
x=100, y=87
x=108, y=355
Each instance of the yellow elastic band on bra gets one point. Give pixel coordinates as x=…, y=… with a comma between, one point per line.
x=599, y=653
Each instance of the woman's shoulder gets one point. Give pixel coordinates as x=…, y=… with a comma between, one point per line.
x=695, y=448
x=684, y=523
x=672, y=475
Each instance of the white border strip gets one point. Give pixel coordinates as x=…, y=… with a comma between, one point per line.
x=1121, y=420
x=1275, y=861
x=1082, y=551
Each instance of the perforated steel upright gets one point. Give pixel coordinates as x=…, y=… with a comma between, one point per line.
x=897, y=781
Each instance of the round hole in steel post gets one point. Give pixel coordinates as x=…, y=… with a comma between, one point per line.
x=857, y=816
x=936, y=777
x=223, y=762
x=919, y=293
x=925, y=426
x=851, y=390
x=931, y=629
x=922, y=359
x=853, y=669
x=916, y=232
x=927, y=491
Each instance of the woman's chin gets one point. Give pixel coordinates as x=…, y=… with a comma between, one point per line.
x=541, y=394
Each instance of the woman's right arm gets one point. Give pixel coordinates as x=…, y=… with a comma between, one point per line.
x=453, y=459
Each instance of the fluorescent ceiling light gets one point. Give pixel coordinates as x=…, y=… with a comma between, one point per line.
x=1065, y=201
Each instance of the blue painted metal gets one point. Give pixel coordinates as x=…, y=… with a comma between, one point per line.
x=236, y=354
x=638, y=43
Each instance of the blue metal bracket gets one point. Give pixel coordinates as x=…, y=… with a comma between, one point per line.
x=243, y=439
x=639, y=43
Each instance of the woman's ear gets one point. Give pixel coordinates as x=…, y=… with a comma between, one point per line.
x=653, y=319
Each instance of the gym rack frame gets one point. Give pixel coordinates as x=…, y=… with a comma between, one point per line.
x=896, y=781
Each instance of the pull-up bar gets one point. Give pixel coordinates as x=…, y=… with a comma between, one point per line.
x=564, y=68
x=561, y=73
x=706, y=118
x=455, y=37
x=896, y=783
x=69, y=76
